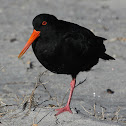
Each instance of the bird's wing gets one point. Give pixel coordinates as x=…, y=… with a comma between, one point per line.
x=74, y=43
x=82, y=44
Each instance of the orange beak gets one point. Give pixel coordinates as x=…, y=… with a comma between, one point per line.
x=33, y=36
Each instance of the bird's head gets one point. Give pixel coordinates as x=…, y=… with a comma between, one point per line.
x=40, y=22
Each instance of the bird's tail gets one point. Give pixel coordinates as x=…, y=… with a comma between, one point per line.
x=103, y=54
x=100, y=39
x=106, y=57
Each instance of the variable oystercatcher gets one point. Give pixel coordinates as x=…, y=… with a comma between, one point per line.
x=65, y=48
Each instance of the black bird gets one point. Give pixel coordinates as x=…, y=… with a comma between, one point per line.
x=65, y=48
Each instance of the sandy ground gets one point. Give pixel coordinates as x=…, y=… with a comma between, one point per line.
x=23, y=105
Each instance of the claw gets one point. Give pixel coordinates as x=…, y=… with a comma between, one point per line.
x=64, y=109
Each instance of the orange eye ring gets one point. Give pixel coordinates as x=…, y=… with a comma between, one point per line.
x=44, y=23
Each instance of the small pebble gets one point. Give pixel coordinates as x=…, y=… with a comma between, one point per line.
x=13, y=40
x=110, y=91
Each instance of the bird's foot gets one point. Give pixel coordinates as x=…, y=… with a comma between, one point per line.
x=64, y=109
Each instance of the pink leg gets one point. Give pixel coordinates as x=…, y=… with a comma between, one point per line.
x=67, y=107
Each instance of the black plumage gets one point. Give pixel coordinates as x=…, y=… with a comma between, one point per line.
x=66, y=48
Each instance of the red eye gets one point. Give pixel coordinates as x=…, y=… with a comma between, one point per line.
x=44, y=23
